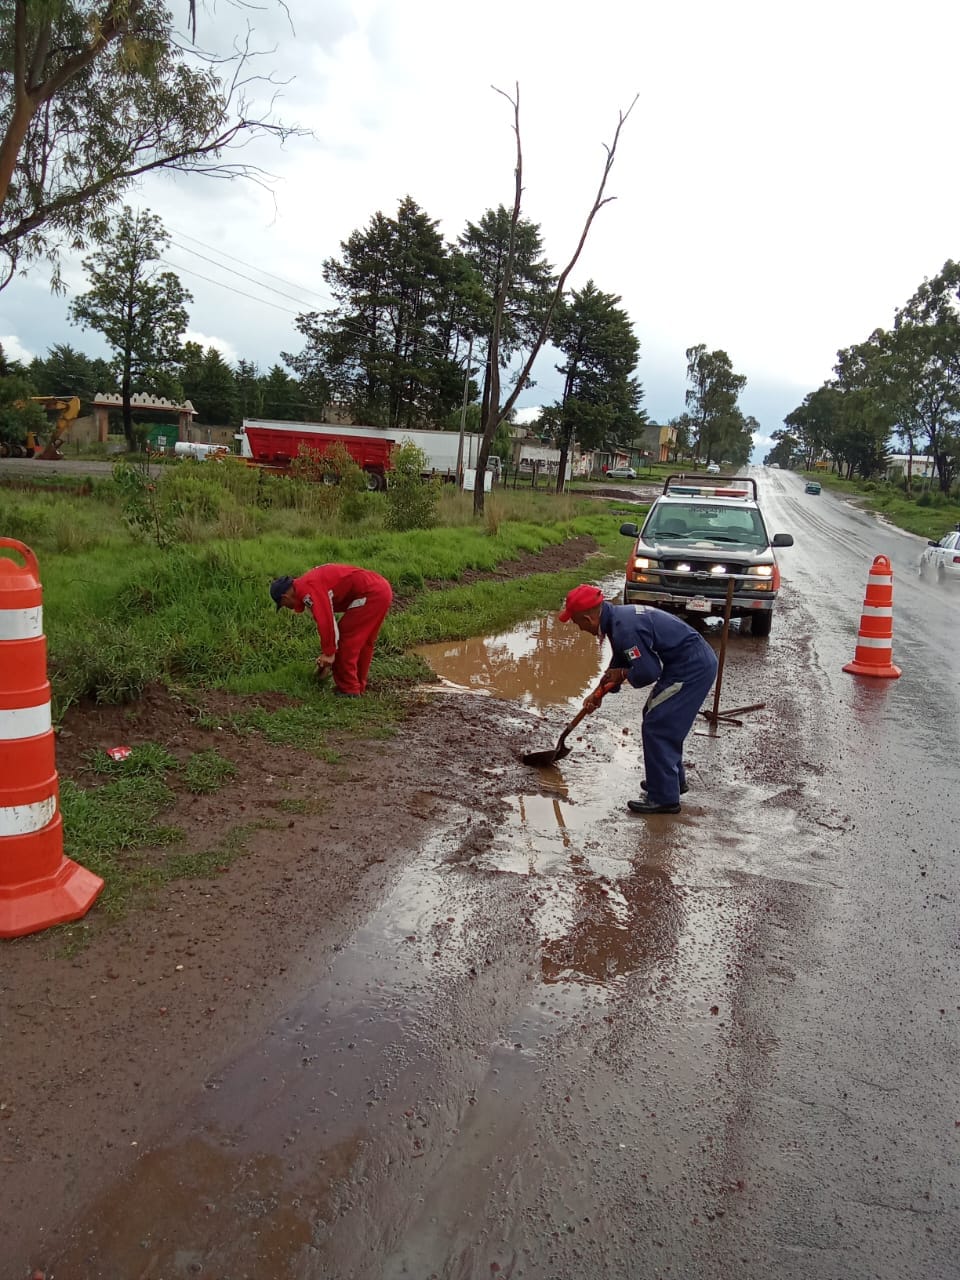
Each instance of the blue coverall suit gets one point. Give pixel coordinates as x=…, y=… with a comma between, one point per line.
x=656, y=648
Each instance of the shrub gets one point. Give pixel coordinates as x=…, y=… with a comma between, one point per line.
x=412, y=502
x=148, y=506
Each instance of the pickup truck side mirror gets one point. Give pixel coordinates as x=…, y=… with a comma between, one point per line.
x=630, y=531
x=783, y=540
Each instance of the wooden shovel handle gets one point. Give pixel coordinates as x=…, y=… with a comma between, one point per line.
x=581, y=715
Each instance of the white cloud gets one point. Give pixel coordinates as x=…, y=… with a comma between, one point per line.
x=226, y=349
x=528, y=414
x=13, y=348
x=756, y=203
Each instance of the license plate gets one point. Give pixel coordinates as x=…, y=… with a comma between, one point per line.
x=699, y=604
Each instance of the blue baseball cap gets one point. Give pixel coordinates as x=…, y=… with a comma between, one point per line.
x=278, y=589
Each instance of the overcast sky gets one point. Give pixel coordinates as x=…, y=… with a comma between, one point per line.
x=786, y=180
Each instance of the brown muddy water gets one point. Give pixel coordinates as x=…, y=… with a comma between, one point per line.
x=453, y=1097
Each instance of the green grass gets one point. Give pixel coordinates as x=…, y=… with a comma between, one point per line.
x=201, y=614
x=207, y=771
x=148, y=760
x=114, y=829
x=119, y=613
x=106, y=829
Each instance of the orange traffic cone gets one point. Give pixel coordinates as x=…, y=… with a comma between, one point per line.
x=39, y=887
x=874, y=654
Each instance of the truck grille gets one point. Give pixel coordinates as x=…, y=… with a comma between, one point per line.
x=700, y=580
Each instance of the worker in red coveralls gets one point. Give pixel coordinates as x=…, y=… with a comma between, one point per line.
x=361, y=597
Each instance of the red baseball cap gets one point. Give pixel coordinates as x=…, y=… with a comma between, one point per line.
x=581, y=600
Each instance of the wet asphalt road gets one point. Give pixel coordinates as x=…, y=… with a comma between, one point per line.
x=574, y=1044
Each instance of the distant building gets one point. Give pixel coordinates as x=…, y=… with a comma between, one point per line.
x=922, y=468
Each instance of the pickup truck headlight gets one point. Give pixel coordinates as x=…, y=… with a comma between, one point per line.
x=644, y=562
x=761, y=571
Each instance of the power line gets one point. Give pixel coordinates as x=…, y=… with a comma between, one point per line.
x=220, y=267
x=343, y=324
x=213, y=249
x=263, y=302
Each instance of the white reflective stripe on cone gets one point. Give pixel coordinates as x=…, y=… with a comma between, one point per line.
x=878, y=610
x=874, y=642
x=21, y=624
x=25, y=722
x=879, y=579
x=22, y=819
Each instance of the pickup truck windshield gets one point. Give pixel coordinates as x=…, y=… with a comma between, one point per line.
x=701, y=522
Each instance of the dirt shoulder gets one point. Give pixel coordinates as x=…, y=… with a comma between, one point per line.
x=107, y=1026
x=100, y=1045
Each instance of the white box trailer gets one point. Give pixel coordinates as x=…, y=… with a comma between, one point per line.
x=441, y=448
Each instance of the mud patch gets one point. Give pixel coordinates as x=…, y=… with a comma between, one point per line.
x=100, y=1044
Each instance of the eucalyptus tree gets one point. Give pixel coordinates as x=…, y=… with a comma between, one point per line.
x=712, y=399
x=140, y=310
x=925, y=349
x=94, y=94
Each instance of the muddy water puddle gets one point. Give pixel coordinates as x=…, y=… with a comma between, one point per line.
x=511, y=1047
x=540, y=664
x=453, y=1044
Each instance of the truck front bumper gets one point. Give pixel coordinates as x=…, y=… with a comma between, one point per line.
x=702, y=605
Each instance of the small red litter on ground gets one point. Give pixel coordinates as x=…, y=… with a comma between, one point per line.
x=118, y=753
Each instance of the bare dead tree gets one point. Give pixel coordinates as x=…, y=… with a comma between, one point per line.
x=495, y=412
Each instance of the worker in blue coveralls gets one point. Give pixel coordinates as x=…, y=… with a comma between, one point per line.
x=650, y=647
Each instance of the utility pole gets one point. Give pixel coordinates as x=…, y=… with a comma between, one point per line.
x=463, y=413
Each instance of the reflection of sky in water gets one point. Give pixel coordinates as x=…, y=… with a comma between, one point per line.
x=541, y=663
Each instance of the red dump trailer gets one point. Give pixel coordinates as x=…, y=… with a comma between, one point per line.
x=277, y=444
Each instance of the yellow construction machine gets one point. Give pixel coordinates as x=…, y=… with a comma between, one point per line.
x=61, y=411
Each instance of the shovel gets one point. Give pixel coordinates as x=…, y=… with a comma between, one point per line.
x=553, y=754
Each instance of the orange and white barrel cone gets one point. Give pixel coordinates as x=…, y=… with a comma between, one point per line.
x=874, y=653
x=39, y=887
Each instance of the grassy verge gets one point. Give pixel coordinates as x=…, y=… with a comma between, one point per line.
x=120, y=613
x=926, y=512
x=113, y=827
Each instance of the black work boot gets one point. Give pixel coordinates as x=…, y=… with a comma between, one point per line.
x=647, y=806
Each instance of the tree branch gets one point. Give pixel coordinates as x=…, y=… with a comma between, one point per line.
x=496, y=414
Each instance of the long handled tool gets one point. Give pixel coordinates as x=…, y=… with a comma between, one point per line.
x=560, y=750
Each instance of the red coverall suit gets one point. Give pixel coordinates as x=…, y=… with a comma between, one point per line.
x=363, y=598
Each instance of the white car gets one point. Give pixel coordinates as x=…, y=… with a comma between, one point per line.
x=940, y=561
x=713, y=469
x=621, y=473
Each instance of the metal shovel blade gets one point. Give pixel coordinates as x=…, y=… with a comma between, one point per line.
x=541, y=758
x=557, y=752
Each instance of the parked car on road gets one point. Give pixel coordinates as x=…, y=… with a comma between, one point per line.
x=621, y=473
x=940, y=561
x=713, y=469
x=698, y=536
x=812, y=486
